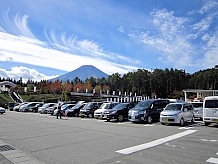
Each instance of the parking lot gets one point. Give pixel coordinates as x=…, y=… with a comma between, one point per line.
x=38, y=138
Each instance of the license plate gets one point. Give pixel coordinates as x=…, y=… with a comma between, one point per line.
x=215, y=120
x=165, y=119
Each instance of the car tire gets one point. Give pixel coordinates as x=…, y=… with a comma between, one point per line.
x=149, y=119
x=76, y=114
x=193, y=119
x=182, y=122
x=206, y=123
x=120, y=118
x=89, y=115
x=162, y=123
x=1, y=113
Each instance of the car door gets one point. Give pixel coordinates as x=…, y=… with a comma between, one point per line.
x=190, y=112
x=154, y=111
x=185, y=113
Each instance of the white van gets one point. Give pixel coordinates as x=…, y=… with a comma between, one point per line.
x=210, y=110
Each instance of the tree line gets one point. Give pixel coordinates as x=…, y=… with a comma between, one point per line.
x=168, y=83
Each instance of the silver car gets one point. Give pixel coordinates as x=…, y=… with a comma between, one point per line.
x=198, y=109
x=178, y=113
x=2, y=110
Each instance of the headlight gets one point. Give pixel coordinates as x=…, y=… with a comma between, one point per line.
x=113, y=112
x=142, y=112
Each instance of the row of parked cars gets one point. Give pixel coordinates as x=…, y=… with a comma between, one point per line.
x=166, y=111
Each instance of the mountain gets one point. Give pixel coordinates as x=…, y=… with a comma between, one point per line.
x=83, y=72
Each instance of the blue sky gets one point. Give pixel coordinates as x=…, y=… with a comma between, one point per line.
x=46, y=38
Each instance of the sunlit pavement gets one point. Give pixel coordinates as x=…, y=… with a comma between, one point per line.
x=41, y=138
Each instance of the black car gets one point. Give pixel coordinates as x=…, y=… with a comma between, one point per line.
x=119, y=112
x=147, y=110
x=74, y=111
x=89, y=108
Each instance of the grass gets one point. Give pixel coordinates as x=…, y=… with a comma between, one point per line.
x=4, y=99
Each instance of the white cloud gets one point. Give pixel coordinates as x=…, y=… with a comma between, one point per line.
x=18, y=26
x=208, y=5
x=121, y=29
x=170, y=38
x=211, y=51
x=25, y=73
x=18, y=44
x=85, y=47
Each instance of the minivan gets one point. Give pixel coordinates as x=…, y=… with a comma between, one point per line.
x=210, y=110
x=89, y=108
x=119, y=112
x=105, y=106
x=177, y=113
x=147, y=110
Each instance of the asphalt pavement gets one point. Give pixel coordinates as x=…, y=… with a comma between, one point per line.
x=41, y=138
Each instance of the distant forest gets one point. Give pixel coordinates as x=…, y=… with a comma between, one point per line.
x=162, y=83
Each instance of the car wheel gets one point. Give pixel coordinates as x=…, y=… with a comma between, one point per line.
x=1, y=113
x=162, y=123
x=206, y=123
x=193, y=119
x=89, y=115
x=182, y=122
x=45, y=112
x=149, y=119
x=76, y=114
x=120, y=118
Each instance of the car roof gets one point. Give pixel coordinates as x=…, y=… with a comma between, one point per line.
x=181, y=103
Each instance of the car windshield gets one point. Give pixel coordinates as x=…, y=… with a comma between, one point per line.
x=144, y=104
x=104, y=106
x=45, y=105
x=211, y=104
x=173, y=107
x=76, y=106
x=120, y=106
x=197, y=105
x=88, y=105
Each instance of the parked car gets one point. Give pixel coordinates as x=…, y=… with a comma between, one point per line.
x=198, y=109
x=177, y=113
x=210, y=110
x=11, y=105
x=105, y=106
x=45, y=107
x=119, y=112
x=28, y=106
x=89, y=108
x=36, y=108
x=74, y=111
x=17, y=107
x=63, y=109
x=147, y=110
x=2, y=110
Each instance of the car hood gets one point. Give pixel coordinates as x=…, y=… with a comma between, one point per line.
x=100, y=110
x=170, y=112
x=137, y=109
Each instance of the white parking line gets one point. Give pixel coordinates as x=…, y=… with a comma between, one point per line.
x=154, y=143
x=149, y=125
x=212, y=160
x=186, y=128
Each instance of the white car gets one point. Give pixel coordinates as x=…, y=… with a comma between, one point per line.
x=105, y=106
x=45, y=107
x=178, y=113
x=2, y=110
